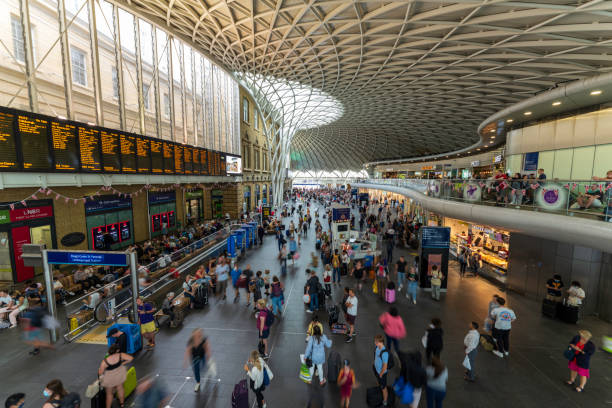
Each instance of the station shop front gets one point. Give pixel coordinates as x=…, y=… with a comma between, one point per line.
x=162, y=212
x=109, y=222
x=194, y=205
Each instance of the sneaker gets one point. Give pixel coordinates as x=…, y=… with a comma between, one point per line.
x=34, y=352
x=407, y=295
x=308, y=311
x=414, y=301
x=399, y=288
x=266, y=356
x=506, y=353
x=197, y=387
x=71, y=293
x=385, y=403
x=498, y=354
x=348, y=340
x=64, y=303
x=12, y=326
x=248, y=304
x=98, y=285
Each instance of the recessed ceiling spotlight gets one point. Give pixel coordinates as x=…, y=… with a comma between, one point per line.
x=509, y=120
x=596, y=92
x=527, y=113
x=556, y=103
x=493, y=130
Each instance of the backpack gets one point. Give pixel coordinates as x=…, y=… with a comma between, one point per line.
x=269, y=318
x=390, y=360
x=276, y=289
x=252, y=285
x=72, y=400
x=266, y=376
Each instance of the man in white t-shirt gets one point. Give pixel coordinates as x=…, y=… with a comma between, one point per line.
x=503, y=317
x=351, y=313
x=222, y=271
x=575, y=294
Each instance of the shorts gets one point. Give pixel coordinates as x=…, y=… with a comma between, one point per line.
x=382, y=381
x=33, y=335
x=350, y=319
x=148, y=328
x=265, y=334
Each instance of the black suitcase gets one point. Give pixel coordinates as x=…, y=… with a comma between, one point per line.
x=333, y=314
x=334, y=363
x=569, y=314
x=549, y=308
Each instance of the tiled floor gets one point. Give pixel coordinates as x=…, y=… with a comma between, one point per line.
x=532, y=376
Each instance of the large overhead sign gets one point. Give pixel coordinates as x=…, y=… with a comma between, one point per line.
x=40, y=143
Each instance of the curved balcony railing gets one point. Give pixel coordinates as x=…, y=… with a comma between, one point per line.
x=585, y=198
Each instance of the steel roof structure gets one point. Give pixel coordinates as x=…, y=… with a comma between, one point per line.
x=414, y=78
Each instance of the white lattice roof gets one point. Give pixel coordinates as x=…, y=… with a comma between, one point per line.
x=414, y=77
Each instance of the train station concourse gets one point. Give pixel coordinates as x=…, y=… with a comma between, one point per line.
x=305, y=204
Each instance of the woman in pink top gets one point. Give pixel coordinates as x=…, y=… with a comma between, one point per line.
x=393, y=326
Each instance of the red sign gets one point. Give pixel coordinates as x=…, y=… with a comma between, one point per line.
x=21, y=235
x=22, y=214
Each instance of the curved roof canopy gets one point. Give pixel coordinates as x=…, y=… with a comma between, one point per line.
x=415, y=78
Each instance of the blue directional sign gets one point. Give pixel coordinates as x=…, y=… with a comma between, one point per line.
x=87, y=258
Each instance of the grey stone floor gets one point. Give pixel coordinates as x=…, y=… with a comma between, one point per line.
x=532, y=376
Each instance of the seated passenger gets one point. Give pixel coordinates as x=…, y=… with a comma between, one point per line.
x=575, y=294
x=91, y=301
x=168, y=305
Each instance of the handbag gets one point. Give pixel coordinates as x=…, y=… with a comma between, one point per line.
x=93, y=389
x=424, y=340
x=569, y=354
x=466, y=363
x=305, y=374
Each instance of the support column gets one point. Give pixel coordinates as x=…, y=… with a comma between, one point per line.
x=193, y=99
x=26, y=31
x=119, y=67
x=65, y=49
x=139, y=79
x=171, y=87
x=183, y=90
x=135, y=288
x=50, y=294
x=95, y=62
x=157, y=90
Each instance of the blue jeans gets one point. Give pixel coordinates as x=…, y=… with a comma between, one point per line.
x=314, y=302
x=197, y=364
x=392, y=341
x=412, y=289
x=435, y=398
x=336, y=273
x=401, y=277
x=284, y=267
x=276, y=304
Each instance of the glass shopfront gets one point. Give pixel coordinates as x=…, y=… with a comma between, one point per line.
x=162, y=212
x=216, y=201
x=109, y=222
x=194, y=205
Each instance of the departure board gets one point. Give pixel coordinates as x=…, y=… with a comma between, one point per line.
x=111, y=160
x=8, y=149
x=168, y=149
x=195, y=158
x=89, y=149
x=33, y=133
x=210, y=161
x=157, y=157
x=143, y=154
x=203, y=162
x=222, y=165
x=64, y=142
x=187, y=158
x=178, y=159
x=128, y=153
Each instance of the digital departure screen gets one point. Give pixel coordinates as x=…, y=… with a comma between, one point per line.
x=143, y=154
x=110, y=151
x=64, y=142
x=168, y=149
x=187, y=158
x=157, y=157
x=195, y=158
x=8, y=148
x=203, y=162
x=210, y=160
x=178, y=159
x=89, y=149
x=128, y=153
x=34, y=143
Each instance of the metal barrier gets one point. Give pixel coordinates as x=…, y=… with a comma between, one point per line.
x=114, y=304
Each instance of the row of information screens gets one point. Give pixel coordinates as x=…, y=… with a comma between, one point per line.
x=163, y=220
x=33, y=142
x=118, y=232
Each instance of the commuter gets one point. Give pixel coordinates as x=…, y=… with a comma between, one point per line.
x=120, y=338
x=280, y=240
x=237, y=280
x=150, y=393
x=146, y=321
x=580, y=350
x=277, y=295
x=381, y=361
x=255, y=367
x=400, y=272
x=222, y=271
x=554, y=288
x=15, y=400
x=313, y=290
x=313, y=323
x=437, y=376
x=263, y=325
x=351, y=313
x=54, y=392
x=346, y=382
x=436, y=282
x=197, y=353
x=462, y=258
x=434, y=339
x=315, y=351
x=413, y=284
x=471, y=341
x=503, y=317
x=33, y=322
x=335, y=262
x=327, y=277
x=394, y=328
x=112, y=373
x=359, y=272
x=282, y=257
x=260, y=234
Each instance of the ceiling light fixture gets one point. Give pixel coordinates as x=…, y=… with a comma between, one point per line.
x=492, y=130
x=556, y=103
x=509, y=120
x=596, y=92
x=527, y=113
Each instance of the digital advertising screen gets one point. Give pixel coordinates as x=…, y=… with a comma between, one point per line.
x=233, y=165
x=34, y=143
x=97, y=236
x=128, y=153
x=8, y=147
x=143, y=154
x=157, y=157
x=89, y=149
x=156, y=222
x=125, y=232
x=113, y=231
x=110, y=151
x=64, y=142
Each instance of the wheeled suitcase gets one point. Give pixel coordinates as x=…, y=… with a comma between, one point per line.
x=130, y=382
x=487, y=341
x=240, y=395
x=99, y=400
x=334, y=363
x=390, y=295
x=549, y=308
x=333, y=314
x=569, y=314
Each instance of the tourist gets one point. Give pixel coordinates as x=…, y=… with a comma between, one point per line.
x=146, y=320
x=351, y=313
x=198, y=353
x=503, y=317
x=113, y=373
x=394, y=328
x=437, y=376
x=276, y=288
x=263, y=326
x=579, y=363
x=381, y=361
x=254, y=368
x=346, y=382
x=315, y=352
x=470, y=342
x=434, y=339
x=554, y=288
x=436, y=282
